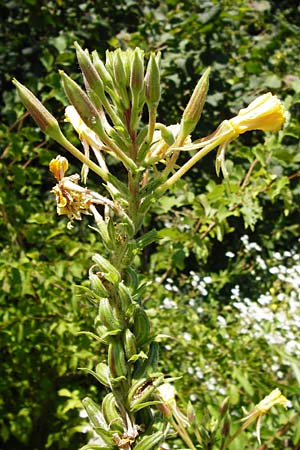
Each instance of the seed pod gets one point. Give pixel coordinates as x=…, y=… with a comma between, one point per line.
x=107, y=315
x=94, y=413
x=96, y=284
x=124, y=296
x=111, y=414
x=110, y=272
x=144, y=392
x=129, y=344
x=141, y=326
x=150, y=441
x=148, y=367
x=145, y=419
x=116, y=360
x=102, y=371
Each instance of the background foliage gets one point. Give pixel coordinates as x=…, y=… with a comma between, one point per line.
x=224, y=281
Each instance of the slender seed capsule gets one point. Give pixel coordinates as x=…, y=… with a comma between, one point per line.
x=193, y=110
x=150, y=442
x=94, y=413
x=111, y=414
x=116, y=360
x=141, y=326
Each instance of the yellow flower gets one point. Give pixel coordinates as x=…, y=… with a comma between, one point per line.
x=72, y=200
x=274, y=398
x=265, y=113
x=58, y=167
x=84, y=132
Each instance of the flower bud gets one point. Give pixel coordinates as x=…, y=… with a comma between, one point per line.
x=43, y=118
x=265, y=113
x=119, y=68
x=101, y=69
x=91, y=75
x=152, y=81
x=82, y=104
x=137, y=72
x=193, y=110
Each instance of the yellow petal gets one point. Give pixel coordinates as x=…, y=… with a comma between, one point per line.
x=265, y=113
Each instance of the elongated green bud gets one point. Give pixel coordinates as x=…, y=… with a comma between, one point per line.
x=152, y=81
x=193, y=110
x=101, y=69
x=137, y=72
x=94, y=413
x=43, y=118
x=102, y=371
x=119, y=68
x=82, y=104
x=124, y=296
x=91, y=75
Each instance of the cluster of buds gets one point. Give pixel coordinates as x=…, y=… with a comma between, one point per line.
x=107, y=117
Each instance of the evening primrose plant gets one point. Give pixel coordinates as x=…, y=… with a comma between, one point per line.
x=139, y=411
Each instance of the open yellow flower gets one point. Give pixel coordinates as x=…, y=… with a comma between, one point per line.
x=265, y=113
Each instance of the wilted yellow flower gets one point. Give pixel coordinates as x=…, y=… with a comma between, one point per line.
x=72, y=200
x=273, y=399
x=265, y=113
x=59, y=166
